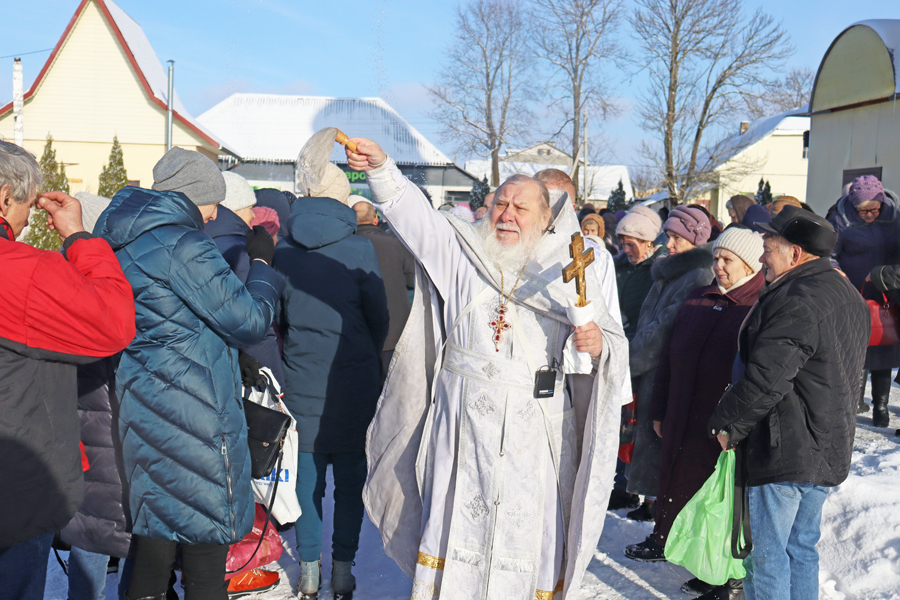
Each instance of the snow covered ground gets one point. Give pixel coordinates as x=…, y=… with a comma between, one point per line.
x=860, y=545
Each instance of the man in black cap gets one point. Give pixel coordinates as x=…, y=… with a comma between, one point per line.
x=793, y=410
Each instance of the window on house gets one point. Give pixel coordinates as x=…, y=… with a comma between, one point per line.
x=851, y=174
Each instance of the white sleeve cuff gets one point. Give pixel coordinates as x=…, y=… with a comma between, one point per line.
x=386, y=182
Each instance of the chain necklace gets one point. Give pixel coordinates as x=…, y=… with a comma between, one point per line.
x=499, y=324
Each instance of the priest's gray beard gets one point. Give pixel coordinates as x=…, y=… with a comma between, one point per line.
x=513, y=257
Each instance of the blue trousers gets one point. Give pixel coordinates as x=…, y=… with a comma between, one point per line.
x=349, y=469
x=87, y=575
x=23, y=568
x=784, y=521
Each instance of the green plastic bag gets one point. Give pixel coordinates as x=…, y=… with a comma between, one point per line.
x=700, y=539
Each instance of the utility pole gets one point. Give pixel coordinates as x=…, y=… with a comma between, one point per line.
x=170, y=103
x=584, y=176
x=18, y=104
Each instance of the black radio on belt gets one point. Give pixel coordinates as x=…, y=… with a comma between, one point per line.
x=545, y=382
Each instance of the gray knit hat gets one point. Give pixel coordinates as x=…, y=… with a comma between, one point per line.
x=746, y=243
x=190, y=173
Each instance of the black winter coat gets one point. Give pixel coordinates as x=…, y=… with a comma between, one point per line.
x=794, y=408
x=102, y=524
x=398, y=270
x=333, y=320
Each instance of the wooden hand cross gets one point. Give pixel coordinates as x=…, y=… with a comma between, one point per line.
x=580, y=261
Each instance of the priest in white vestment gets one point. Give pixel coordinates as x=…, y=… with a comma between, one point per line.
x=482, y=487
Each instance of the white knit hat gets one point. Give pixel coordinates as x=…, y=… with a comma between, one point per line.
x=747, y=244
x=238, y=193
x=641, y=223
x=91, y=207
x=334, y=185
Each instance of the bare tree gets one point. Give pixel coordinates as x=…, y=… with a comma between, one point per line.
x=781, y=95
x=577, y=39
x=644, y=181
x=482, y=95
x=702, y=57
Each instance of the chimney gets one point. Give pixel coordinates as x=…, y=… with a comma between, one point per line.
x=18, y=104
x=745, y=125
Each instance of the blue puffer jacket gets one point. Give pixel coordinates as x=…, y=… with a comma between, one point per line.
x=182, y=425
x=334, y=320
x=229, y=232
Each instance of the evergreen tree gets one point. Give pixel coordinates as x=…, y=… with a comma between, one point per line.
x=479, y=191
x=616, y=200
x=113, y=178
x=764, y=193
x=54, y=178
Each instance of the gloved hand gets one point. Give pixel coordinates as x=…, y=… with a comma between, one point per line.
x=260, y=245
x=250, y=371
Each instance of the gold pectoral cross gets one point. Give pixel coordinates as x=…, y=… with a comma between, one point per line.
x=580, y=261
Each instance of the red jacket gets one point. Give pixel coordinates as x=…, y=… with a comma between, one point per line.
x=56, y=310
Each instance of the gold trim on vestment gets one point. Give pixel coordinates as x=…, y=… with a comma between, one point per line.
x=543, y=595
x=432, y=562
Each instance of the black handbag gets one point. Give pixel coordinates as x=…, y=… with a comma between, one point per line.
x=266, y=430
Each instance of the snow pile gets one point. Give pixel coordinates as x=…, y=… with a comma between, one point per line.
x=859, y=550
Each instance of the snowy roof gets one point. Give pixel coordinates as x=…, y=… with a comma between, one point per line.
x=140, y=53
x=792, y=122
x=273, y=128
x=601, y=179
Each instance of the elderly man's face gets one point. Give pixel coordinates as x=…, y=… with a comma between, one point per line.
x=777, y=260
x=517, y=209
x=15, y=213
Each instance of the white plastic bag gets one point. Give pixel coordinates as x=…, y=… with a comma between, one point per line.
x=286, y=508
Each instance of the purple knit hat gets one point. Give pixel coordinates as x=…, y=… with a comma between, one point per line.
x=689, y=223
x=865, y=188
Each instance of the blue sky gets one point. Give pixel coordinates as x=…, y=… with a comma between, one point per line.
x=387, y=48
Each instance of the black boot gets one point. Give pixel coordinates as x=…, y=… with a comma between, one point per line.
x=695, y=587
x=881, y=391
x=646, y=551
x=620, y=499
x=732, y=590
x=645, y=512
x=863, y=407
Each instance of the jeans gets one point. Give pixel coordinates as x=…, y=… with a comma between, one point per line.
x=23, y=568
x=87, y=575
x=784, y=522
x=349, y=478
x=203, y=569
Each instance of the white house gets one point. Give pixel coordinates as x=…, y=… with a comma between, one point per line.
x=855, y=119
x=770, y=148
x=268, y=130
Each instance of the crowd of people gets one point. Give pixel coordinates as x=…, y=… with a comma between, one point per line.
x=433, y=360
